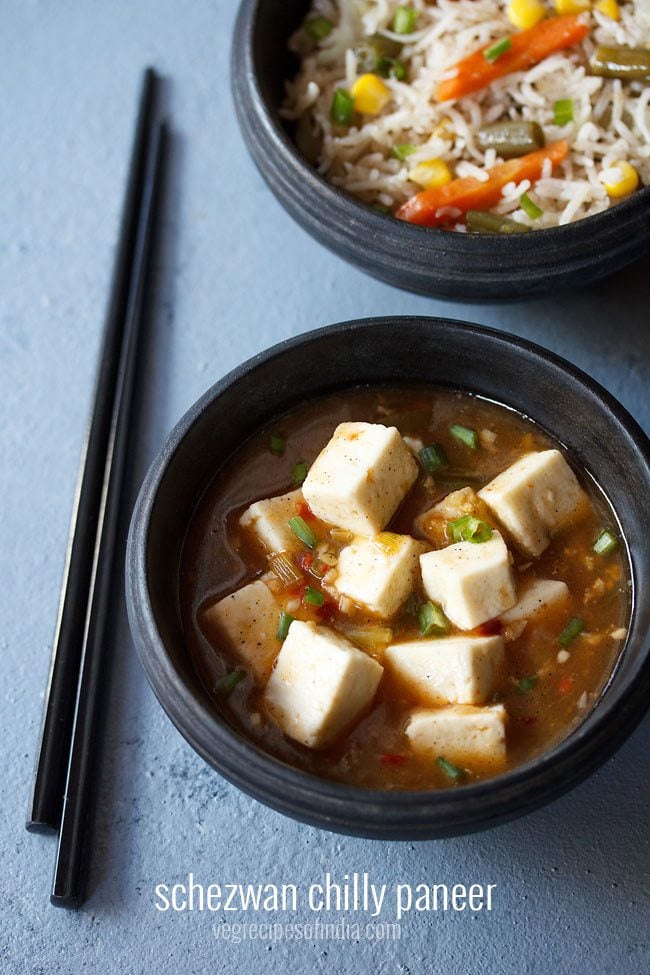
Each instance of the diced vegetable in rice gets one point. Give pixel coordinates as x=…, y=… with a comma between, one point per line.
x=378, y=157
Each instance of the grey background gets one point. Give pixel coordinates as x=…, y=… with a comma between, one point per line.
x=235, y=275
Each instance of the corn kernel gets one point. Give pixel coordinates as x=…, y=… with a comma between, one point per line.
x=572, y=6
x=525, y=13
x=609, y=8
x=443, y=130
x=621, y=179
x=370, y=94
x=431, y=174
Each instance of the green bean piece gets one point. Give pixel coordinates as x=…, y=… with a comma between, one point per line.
x=512, y=139
x=372, y=51
x=628, y=63
x=479, y=222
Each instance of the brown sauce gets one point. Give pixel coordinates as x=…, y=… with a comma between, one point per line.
x=219, y=557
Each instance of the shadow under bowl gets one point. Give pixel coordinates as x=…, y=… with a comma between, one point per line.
x=601, y=438
x=428, y=261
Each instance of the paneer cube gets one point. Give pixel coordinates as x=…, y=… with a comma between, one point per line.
x=543, y=597
x=534, y=497
x=455, y=669
x=246, y=622
x=538, y=597
x=461, y=734
x=268, y=521
x=378, y=573
x=465, y=501
x=360, y=477
x=321, y=684
x=473, y=582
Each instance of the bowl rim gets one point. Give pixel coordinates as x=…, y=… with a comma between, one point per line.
x=301, y=169
x=338, y=806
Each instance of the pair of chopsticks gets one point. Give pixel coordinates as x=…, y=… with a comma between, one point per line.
x=67, y=758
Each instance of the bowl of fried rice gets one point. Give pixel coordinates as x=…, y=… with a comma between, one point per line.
x=472, y=149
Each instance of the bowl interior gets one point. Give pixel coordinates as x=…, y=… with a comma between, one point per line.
x=601, y=437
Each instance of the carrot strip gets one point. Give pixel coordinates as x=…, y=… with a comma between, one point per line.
x=526, y=49
x=431, y=208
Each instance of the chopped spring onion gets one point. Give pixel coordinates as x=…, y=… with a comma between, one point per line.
x=526, y=684
x=529, y=207
x=574, y=628
x=380, y=208
x=433, y=457
x=405, y=20
x=228, y=683
x=284, y=622
x=392, y=68
x=318, y=28
x=342, y=107
x=465, y=435
x=402, y=151
x=479, y=222
x=606, y=542
x=299, y=472
x=300, y=528
x=313, y=597
x=563, y=111
x=469, y=529
x=494, y=52
x=282, y=566
x=277, y=443
x=451, y=771
x=432, y=620
x=369, y=637
x=389, y=542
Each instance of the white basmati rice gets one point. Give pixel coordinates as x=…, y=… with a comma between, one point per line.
x=611, y=118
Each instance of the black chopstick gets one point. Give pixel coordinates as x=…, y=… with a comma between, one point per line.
x=69, y=873
x=49, y=778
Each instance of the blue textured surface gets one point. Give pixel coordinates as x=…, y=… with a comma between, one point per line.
x=235, y=276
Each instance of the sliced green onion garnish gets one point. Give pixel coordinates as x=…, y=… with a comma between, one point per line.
x=228, y=683
x=318, y=28
x=529, y=207
x=563, y=111
x=284, y=622
x=277, y=443
x=370, y=636
x=405, y=20
x=299, y=472
x=494, y=52
x=451, y=771
x=342, y=107
x=526, y=684
x=432, y=619
x=469, y=529
x=574, y=628
x=465, y=435
x=392, y=68
x=402, y=151
x=380, y=208
x=300, y=528
x=433, y=457
x=605, y=543
x=313, y=596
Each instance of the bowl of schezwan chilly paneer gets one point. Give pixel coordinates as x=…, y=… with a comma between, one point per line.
x=384, y=583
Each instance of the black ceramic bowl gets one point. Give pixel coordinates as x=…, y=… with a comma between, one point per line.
x=602, y=438
x=435, y=262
